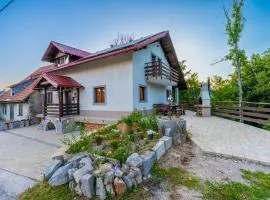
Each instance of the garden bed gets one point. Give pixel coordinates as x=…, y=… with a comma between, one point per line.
x=114, y=159
x=120, y=140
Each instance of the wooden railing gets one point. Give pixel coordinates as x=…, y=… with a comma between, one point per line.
x=190, y=105
x=161, y=70
x=250, y=112
x=65, y=109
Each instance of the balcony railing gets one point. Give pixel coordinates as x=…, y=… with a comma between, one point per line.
x=62, y=110
x=159, y=70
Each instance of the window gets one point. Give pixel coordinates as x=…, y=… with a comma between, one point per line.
x=49, y=98
x=142, y=91
x=60, y=60
x=4, y=109
x=20, y=109
x=99, y=95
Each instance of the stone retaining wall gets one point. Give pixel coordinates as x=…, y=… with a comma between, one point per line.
x=17, y=124
x=78, y=170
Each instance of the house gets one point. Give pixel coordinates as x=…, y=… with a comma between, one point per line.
x=101, y=87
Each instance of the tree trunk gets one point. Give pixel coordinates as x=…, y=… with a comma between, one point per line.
x=240, y=91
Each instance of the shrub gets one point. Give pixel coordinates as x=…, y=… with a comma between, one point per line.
x=114, y=144
x=132, y=118
x=98, y=139
x=122, y=153
x=132, y=138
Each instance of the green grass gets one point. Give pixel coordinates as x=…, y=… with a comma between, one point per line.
x=175, y=176
x=42, y=191
x=258, y=188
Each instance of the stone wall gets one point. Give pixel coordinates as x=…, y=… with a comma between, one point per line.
x=87, y=180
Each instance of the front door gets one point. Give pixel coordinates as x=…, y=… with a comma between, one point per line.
x=11, y=112
x=68, y=100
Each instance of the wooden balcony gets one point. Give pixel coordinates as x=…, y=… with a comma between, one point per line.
x=159, y=73
x=62, y=110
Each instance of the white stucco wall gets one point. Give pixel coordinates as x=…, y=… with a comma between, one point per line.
x=155, y=93
x=16, y=112
x=115, y=74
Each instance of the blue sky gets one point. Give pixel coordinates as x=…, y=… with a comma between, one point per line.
x=196, y=28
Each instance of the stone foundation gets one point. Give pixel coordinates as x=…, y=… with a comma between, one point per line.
x=60, y=126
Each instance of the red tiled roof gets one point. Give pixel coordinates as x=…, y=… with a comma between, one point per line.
x=65, y=49
x=134, y=46
x=166, y=43
x=58, y=81
x=20, y=97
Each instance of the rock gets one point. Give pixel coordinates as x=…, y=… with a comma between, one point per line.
x=119, y=185
x=149, y=158
x=163, y=124
x=85, y=161
x=71, y=185
x=138, y=174
x=176, y=139
x=103, y=169
x=77, y=175
x=109, y=189
x=159, y=149
x=168, y=132
x=128, y=181
x=78, y=190
x=109, y=177
x=125, y=169
x=118, y=173
x=76, y=159
x=134, y=160
x=100, y=190
x=167, y=142
x=113, y=161
x=70, y=173
x=87, y=185
x=51, y=169
x=59, y=154
x=60, y=177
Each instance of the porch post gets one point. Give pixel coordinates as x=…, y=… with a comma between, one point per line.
x=78, y=101
x=60, y=97
x=45, y=102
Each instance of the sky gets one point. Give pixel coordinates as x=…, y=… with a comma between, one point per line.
x=197, y=29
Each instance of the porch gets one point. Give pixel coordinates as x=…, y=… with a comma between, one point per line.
x=61, y=95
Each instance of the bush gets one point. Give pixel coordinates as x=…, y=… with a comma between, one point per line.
x=122, y=153
x=98, y=139
x=114, y=144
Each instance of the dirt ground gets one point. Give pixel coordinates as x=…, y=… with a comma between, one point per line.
x=205, y=167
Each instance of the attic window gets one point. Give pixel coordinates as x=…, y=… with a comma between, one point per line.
x=61, y=60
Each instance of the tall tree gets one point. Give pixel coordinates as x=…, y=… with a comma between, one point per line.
x=193, y=84
x=234, y=28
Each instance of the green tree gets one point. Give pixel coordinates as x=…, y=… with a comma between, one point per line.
x=193, y=84
x=234, y=28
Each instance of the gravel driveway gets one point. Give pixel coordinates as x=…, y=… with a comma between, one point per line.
x=24, y=154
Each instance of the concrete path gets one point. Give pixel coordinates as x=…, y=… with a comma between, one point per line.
x=12, y=184
x=24, y=154
x=229, y=138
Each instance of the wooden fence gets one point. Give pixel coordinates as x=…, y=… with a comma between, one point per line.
x=250, y=112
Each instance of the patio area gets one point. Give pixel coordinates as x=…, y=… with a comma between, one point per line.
x=220, y=136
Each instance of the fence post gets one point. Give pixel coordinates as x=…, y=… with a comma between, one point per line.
x=241, y=111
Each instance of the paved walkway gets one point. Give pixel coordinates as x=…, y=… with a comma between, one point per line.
x=229, y=138
x=24, y=154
